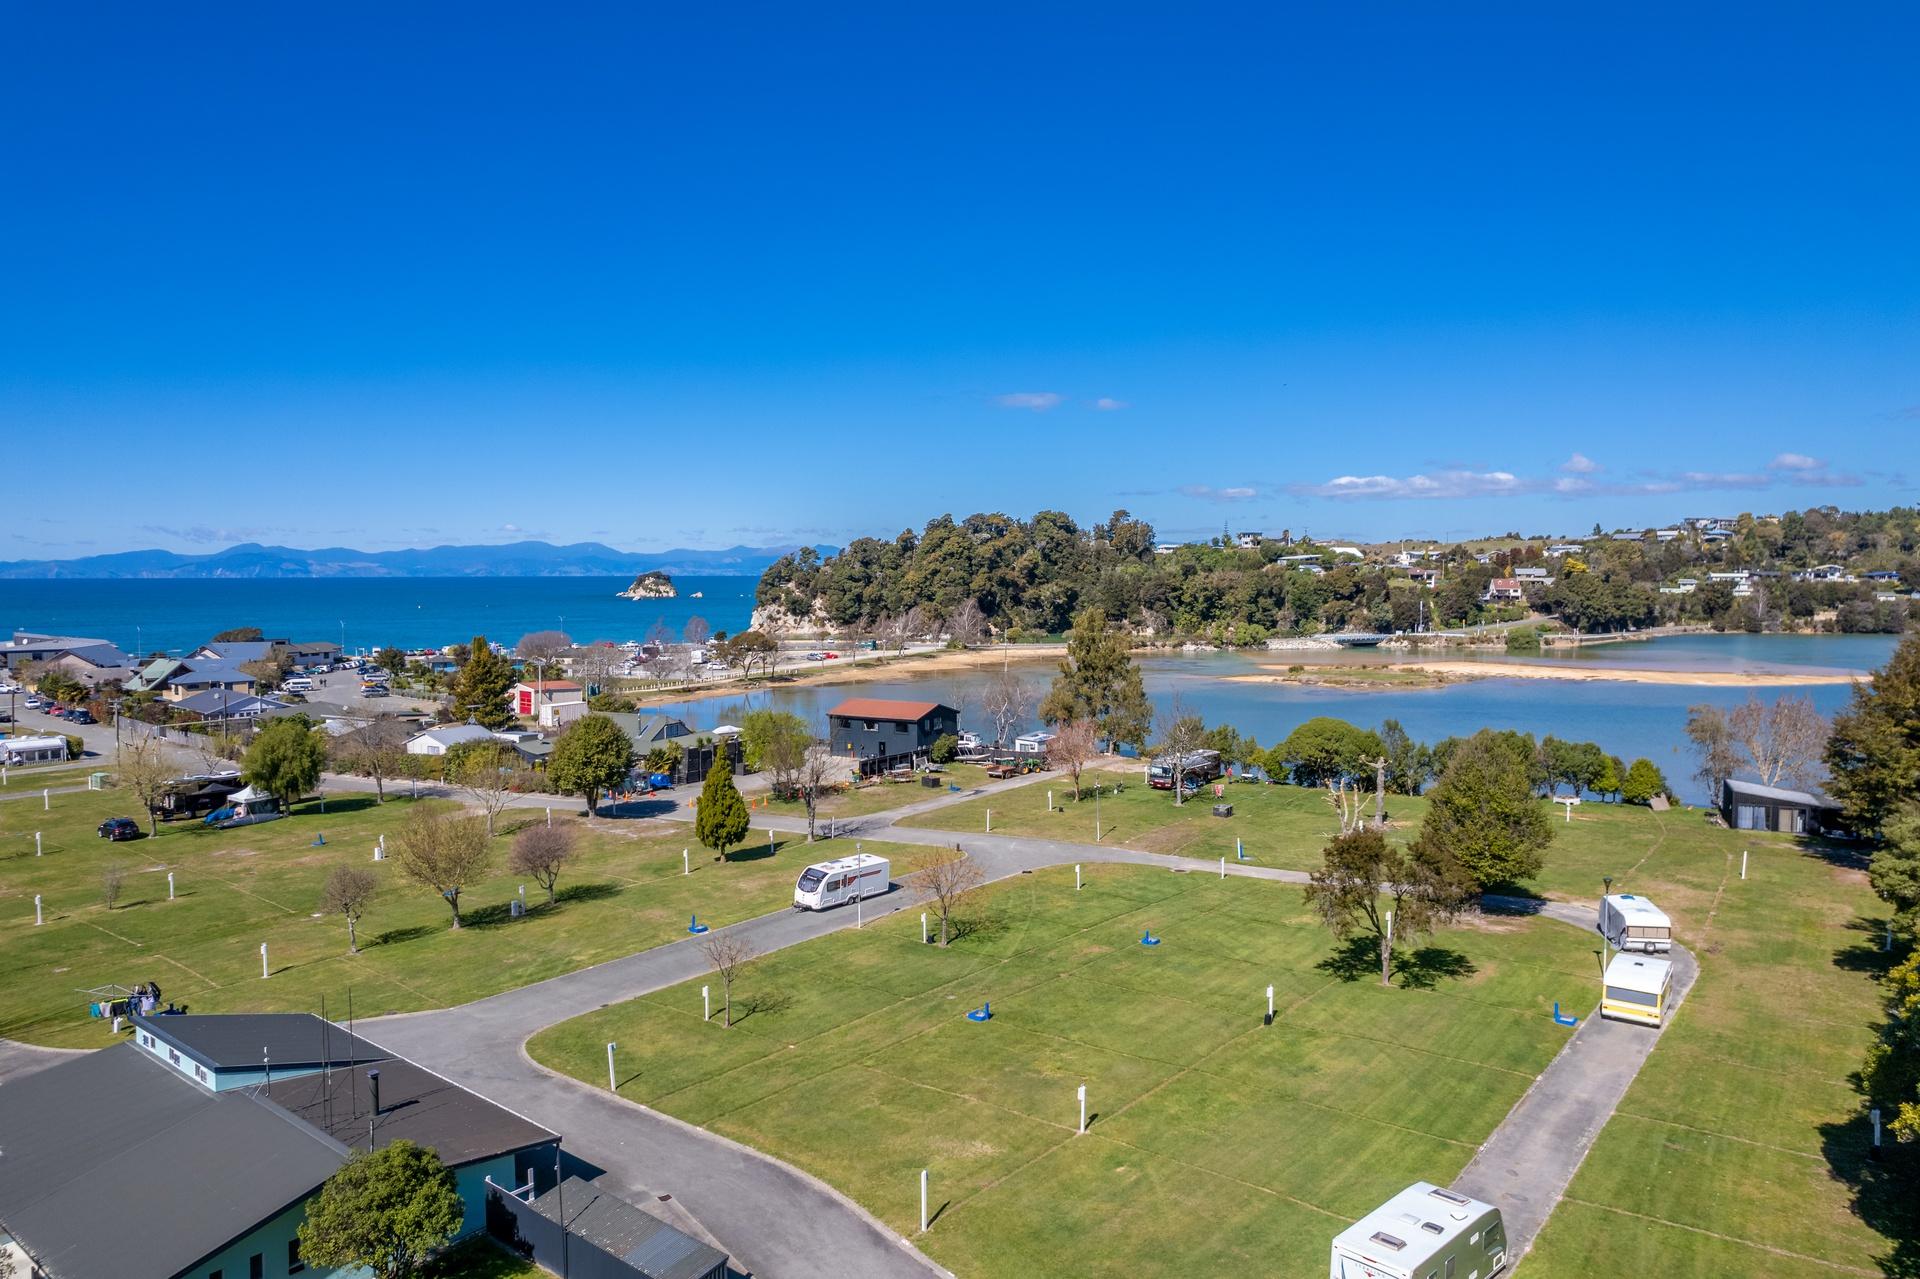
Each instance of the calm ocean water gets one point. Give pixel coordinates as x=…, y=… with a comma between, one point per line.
x=371, y=612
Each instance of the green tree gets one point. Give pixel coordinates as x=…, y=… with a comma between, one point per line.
x=1361, y=873
x=1894, y=871
x=944, y=748
x=1325, y=749
x=239, y=634
x=388, y=1210
x=665, y=758
x=721, y=821
x=286, y=758
x=1610, y=780
x=1098, y=680
x=1409, y=764
x=592, y=755
x=1642, y=782
x=480, y=688
x=1873, y=755
x=612, y=703
x=1483, y=813
x=392, y=661
x=1891, y=1077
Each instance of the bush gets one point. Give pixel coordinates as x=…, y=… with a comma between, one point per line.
x=76, y=746
x=612, y=702
x=945, y=747
x=1643, y=782
x=1523, y=639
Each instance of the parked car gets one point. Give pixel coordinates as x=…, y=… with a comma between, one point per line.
x=80, y=715
x=719, y=667
x=115, y=829
x=830, y=657
x=55, y=709
x=35, y=702
x=816, y=657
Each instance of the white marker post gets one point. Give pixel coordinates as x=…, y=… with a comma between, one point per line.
x=1269, y=1005
x=1076, y=877
x=1049, y=801
x=549, y=817
x=46, y=800
x=1743, y=863
x=989, y=821
x=923, y=1201
x=1083, y=1109
x=1223, y=868
x=263, y=961
x=613, y=1085
x=923, y=928
x=686, y=863
x=36, y=843
x=859, y=912
x=169, y=885
x=706, y=1003
x=36, y=910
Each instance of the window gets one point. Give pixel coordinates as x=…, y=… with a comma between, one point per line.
x=294, y=1264
x=173, y=1056
x=1625, y=996
x=871, y=726
x=257, y=1266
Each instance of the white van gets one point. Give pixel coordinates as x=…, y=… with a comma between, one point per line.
x=1638, y=988
x=296, y=684
x=1422, y=1231
x=838, y=882
x=1634, y=923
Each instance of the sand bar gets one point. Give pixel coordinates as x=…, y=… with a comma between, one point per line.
x=1586, y=673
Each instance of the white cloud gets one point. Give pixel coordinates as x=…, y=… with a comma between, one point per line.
x=1207, y=493
x=1796, y=462
x=1036, y=401
x=1577, y=480
x=1107, y=404
x=1441, y=484
x=1580, y=464
x=511, y=528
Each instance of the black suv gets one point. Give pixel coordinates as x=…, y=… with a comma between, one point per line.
x=116, y=829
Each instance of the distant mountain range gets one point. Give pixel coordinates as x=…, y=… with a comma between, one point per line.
x=513, y=559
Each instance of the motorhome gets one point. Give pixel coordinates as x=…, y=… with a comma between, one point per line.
x=1196, y=768
x=827, y=884
x=1634, y=923
x=1637, y=988
x=1423, y=1231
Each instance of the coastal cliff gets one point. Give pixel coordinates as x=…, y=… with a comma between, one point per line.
x=650, y=586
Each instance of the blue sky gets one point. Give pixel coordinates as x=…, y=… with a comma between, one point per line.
x=392, y=275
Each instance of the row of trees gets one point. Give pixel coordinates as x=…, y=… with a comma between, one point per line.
x=991, y=571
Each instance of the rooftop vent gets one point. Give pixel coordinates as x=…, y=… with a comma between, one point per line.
x=1386, y=1240
x=1449, y=1197
x=1433, y=1228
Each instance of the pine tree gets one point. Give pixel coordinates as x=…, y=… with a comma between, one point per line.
x=1483, y=813
x=481, y=687
x=1873, y=755
x=721, y=822
x=1099, y=681
x=1643, y=781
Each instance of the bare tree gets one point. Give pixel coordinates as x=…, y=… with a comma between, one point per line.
x=728, y=953
x=816, y=769
x=660, y=635
x=946, y=883
x=1181, y=734
x=967, y=623
x=348, y=892
x=1074, y=743
x=442, y=849
x=1362, y=872
x=485, y=774
x=113, y=877
x=1783, y=742
x=377, y=750
x=1008, y=702
x=543, y=646
x=1345, y=798
x=141, y=766
x=696, y=632
x=902, y=629
x=541, y=852
x=593, y=665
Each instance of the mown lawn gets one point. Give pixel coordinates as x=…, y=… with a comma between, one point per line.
x=1284, y=826
x=1741, y=1147
x=882, y=797
x=239, y=888
x=1233, y=1146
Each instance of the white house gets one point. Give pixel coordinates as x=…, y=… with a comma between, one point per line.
x=1565, y=548
x=1504, y=588
x=1034, y=743
x=438, y=741
x=1735, y=575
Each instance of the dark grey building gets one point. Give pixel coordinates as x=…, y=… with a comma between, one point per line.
x=1751, y=806
x=880, y=733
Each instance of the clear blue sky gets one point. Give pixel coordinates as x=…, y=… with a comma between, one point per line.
x=386, y=275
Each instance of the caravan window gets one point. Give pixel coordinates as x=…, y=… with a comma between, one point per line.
x=1646, y=930
x=1626, y=996
x=810, y=880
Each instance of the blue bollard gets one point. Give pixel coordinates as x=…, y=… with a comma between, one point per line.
x=983, y=1013
x=694, y=925
x=320, y=840
x=1148, y=939
x=1560, y=1020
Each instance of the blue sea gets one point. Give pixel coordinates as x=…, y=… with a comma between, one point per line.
x=152, y=615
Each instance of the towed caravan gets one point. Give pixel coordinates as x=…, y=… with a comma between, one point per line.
x=1423, y=1232
x=1637, y=988
x=835, y=883
x=1634, y=923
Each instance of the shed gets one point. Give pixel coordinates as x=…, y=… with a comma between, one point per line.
x=1752, y=806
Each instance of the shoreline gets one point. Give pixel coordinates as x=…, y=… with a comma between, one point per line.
x=1442, y=673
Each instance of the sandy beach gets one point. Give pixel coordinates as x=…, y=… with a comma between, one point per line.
x=1449, y=672
x=873, y=670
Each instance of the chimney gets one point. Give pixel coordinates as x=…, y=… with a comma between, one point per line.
x=373, y=1086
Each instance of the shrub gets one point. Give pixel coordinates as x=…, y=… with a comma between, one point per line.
x=76, y=746
x=944, y=748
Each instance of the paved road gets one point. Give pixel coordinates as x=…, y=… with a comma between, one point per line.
x=1528, y=1162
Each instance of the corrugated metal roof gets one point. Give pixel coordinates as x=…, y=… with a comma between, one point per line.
x=1779, y=794
x=237, y=1041
x=639, y=1238
x=885, y=708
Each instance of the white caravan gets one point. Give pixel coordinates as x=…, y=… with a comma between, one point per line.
x=1638, y=988
x=838, y=882
x=1634, y=923
x=1423, y=1231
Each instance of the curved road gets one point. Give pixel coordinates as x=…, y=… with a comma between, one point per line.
x=778, y=1222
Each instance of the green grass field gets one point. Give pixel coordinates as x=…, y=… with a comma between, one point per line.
x=1236, y=1147
x=882, y=797
x=1282, y=826
x=239, y=888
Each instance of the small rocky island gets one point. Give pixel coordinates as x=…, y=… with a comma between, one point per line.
x=650, y=586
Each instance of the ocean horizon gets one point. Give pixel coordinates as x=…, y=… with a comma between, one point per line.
x=147, y=615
